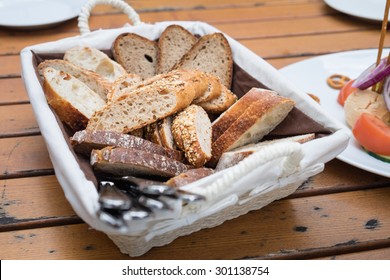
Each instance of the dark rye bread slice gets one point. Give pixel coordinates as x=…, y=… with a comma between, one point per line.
x=173, y=43
x=222, y=123
x=250, y=127
x=189, y=176
x=211, y=54
x=137, y=54
x=85, y=141
x=129, y=161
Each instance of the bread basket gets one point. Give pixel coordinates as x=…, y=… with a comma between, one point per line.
x=270, y=174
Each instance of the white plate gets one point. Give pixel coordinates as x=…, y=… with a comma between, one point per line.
x=311, y=74
x=366, y=9
x=32, y=14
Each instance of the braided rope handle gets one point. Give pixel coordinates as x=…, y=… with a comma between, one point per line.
x=290, y=151
x=86, y=12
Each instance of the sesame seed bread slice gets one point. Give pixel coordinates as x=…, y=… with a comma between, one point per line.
x=211, y=54
x=95, y=60
x=85, y=141
x=167, y=95
x=72, y=100
x=137, y=54
x=93, y=80
x=173, y=43
x=191, y=130
x=129, y=161
x=251, y=126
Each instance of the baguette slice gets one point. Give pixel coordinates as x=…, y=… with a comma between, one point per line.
x=173, y=43
x=256, y=121
x=211, y=54
x=213, y=91
x=152, y=133
x=137, y=54
x=189, y=176
x=96, y=61
x=85, y=141
x=71, y=99
x=233, y=157
x=129, y=161
x=93, y=80
x=121, y=85
x=221, y=103
x=165, y=132
x=167, y=95
x=222, y=123
x=191, y=130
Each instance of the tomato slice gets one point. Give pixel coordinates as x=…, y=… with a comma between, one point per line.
x=345, y=91
x=373, y=134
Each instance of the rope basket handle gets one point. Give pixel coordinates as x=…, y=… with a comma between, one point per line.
x=120, y=4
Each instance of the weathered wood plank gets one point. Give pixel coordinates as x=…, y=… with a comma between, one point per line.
x=12, y=91
x=378, y=254
x=24, y=156
x=289, y=228
x=17, y=120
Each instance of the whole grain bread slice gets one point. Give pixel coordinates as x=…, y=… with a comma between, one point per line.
x=167, y=95
x=191, y=130
x=84, y=141
x=95, y=60
x=251, y=126
x=173, y=43
x=72, y=100
x=129, y=161
x=93, y=80
x=137, y=54
x=211, y=54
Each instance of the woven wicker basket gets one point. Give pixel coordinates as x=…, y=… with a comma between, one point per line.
x=268, y=175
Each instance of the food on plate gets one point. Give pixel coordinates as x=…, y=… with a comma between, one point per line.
x=337, y=81
x=367, y=110
x=137, y=122
x=314, y=97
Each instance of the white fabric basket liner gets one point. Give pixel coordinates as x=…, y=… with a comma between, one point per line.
x=276, y=167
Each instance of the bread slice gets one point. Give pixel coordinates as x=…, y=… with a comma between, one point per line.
x=121, y=85
x=233, y=157
x=137, y=54
x=96, y=61
x=189, y=176
x=152, y=134
x=71, y=99
x=173, y=43
x=93, y=80
x=213, y=91
x=191, y=130
x=167, y=95
x=221, y=103
x=129, y=161
x=211, y=54
x=222, y=123
x=256, y=121
x=165, y=132
x=84, y=141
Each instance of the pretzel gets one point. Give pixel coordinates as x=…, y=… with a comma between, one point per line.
x=337, y=81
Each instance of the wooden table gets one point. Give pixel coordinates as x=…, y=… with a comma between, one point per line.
x=342, y=213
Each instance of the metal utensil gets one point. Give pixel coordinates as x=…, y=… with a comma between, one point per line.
x=110, y=197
